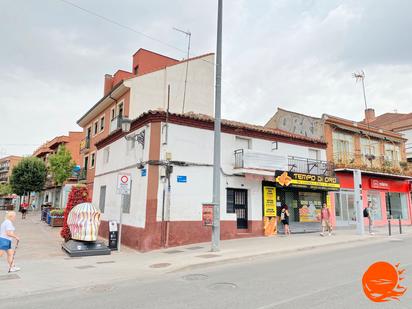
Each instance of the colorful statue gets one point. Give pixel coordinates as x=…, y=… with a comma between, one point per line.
x=84, y=221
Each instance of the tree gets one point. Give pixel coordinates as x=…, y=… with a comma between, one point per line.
x=5, y=189
x=61, y=165
x=29, y=175
x=78, y=194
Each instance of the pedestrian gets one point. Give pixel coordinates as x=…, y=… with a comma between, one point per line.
x=325, y=220
x=369, y=211
x=23, y=209
x=33, y=204
x=6, y=236
x=284, y=218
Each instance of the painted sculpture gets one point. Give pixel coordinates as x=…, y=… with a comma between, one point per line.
x=83, y=222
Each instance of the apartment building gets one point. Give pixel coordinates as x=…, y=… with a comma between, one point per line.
x=379, y=154
x=6, y=167
x=54, y=194
x=155, y=82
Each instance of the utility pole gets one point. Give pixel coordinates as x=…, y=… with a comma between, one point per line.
x=216, y=154
x=357, y=184
x=189, y=35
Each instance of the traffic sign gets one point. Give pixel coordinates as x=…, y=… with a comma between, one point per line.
x=123, y=183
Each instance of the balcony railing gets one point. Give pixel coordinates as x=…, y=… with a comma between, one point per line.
x=116, y=123
x=371, y=162
x=4, y=168
x=82, y=174
x=85, y=144
x=310, y=166
x=266, y=161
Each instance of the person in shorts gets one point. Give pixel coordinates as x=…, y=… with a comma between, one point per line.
x=6, y=236
x=325, y=220
x=284, y=218
x=24, y=207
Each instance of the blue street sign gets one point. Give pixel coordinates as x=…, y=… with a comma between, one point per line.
x=181, y=178
x=143, y=172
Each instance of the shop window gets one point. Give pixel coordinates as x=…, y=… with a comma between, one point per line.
x=102, y=200
x=311, y=204
x=396, y=205
x=375, y=199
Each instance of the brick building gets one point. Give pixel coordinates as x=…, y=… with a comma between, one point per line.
x=6, y=167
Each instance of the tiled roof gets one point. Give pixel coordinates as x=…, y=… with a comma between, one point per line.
x=392, y=121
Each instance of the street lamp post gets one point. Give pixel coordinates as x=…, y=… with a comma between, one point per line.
x=216, y=154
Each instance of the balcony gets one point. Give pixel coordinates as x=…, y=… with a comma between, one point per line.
x=371, y=163
x=85, y=144
x=4, y=168
x=116, y=123
x=261, y=163
x=4, y=179
x=311, y=166
x=82, y=174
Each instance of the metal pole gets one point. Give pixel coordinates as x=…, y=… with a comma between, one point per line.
x=357, y=183
x=400, y=226
x=120, y=223
x=389, y=226
x=216, y=154
x=187, y=68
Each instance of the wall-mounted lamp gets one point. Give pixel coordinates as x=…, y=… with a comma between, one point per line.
x=138, y=137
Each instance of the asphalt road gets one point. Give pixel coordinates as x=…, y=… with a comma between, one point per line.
x=327, y=278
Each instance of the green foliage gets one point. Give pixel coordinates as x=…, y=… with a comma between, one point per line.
x=61, y=165
x=29, y=175
x=5, y=189
x=57, y=212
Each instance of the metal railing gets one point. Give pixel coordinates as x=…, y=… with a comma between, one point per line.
x=85, y=143
x=82, y=174
x=116, y=123
x=311, y=166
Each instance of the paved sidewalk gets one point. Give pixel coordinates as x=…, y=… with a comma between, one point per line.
x=45, y=267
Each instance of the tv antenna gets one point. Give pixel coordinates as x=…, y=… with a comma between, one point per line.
x=188, y=35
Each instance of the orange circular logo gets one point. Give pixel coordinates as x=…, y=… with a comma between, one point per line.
x=381, y=282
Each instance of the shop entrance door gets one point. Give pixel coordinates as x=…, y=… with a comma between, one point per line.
x=345, y=208
x=240, y=204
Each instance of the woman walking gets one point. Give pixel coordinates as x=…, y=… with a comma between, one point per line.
x=284, y=218
x=6, y=236
x=325, y=219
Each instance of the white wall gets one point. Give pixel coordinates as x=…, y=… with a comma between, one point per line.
x=408, y=144
x=149, y=91
x=122, y=156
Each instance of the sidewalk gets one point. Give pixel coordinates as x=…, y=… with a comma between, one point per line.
x=46, y=268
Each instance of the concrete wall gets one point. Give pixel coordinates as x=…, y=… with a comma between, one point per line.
x=149, y=91
x=122, y=158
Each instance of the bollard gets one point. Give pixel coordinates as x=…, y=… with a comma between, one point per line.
x=400, y=226
x=389, y=227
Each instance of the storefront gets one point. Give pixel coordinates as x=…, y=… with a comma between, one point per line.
x=304, y=194
x=389, y=196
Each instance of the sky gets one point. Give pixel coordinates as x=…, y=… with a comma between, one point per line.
x=294, y=54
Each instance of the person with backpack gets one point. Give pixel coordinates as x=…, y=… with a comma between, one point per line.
x=368, y=212
x=325, y=220
x=284, y=218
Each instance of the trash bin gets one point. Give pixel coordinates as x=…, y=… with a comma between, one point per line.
x=113, y=235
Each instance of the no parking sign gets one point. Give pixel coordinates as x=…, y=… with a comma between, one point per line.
x=123, y=183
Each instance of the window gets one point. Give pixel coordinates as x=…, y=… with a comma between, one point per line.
x=102, y=124
x=89, y=132
x=243, y=143
x=86, y=162
x=92, y=160
x=392, y=153
x=314, y=154
x=120, y=110
x=396, y=205
x=343, y=147
x=113, y=114
x=369, y=151
x=375, y=198
x=102, y=200
x=136, y=70
x=274, y=146
x=106, y=154
x=96, y=126
x=126, y=200
x=230, y=201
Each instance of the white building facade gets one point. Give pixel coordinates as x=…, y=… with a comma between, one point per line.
x=171, y=172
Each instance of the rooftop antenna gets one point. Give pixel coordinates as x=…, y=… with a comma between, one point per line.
x=188, y=35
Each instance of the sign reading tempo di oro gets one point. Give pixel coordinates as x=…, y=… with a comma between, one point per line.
x=123, y=183
x=291, y=179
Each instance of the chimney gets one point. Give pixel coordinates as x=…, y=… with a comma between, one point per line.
x=108, y=84
x=369, y=115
